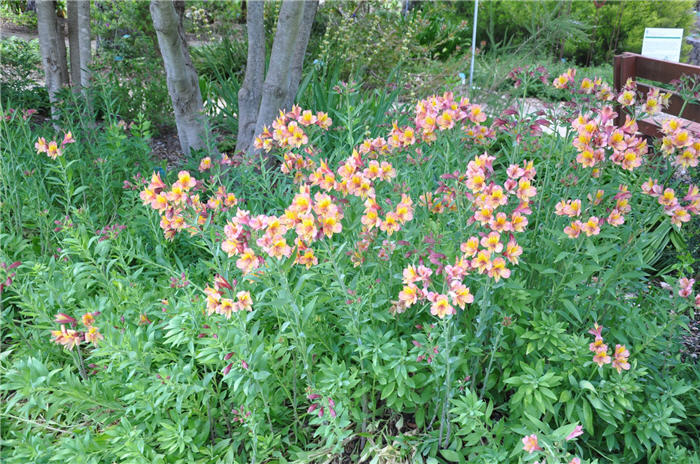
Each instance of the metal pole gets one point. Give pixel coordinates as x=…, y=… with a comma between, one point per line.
x=471, y=66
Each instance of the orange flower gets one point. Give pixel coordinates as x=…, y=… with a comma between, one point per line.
x=93, y=335
x=307, y=118
x=530, y=444
x=679, y=216
x=204, y=164
x=323, y=121
x=306, y=228
x=441, y=307
x=185, y=180
x=248, y=262
x=621, y=355
x=615, y=218
x=574, y=229
x=482, y=262
x=409, y=295
x=513, y=251
x=601, y=357
x=53, y=151
x=41, y=145
x=245, y=302
x=492, y=242
x=518, y=222
x=498, y=269
x=226, y=307
x=592, y=226
x=68, y=338
x=306, y=257
x=390, y=224
x=460, y=295
x=280, y=248
x=88, y=319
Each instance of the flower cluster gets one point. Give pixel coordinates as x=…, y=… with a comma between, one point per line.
x=308, y=219
x=615, y=216
x=179, y=282
x=222, y=300
x=442, y=113
x=598, y=134
x=487, y=254
x=288, y=129
x=564, y=80
x=69, y=338
x=596, y=86
x=175, y=204
x=530, y=73
x=685, y=288
x=225, y=371
x=679, y=213
x=430, y=349
x=679, y=144
x=136, y=183
x=531, y=444
x=7, y=276
x=51, y=148
x=110, y=232
x=655, y=101
x=26, y=114
x=600, y=349
x=240, y=414
x=317, y=405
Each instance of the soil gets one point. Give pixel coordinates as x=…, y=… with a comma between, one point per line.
x=166, y=147
x=8, y=29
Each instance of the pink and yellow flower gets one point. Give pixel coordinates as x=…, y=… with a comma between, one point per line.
x=621, y=355
x=441, y=307
x=530, y=444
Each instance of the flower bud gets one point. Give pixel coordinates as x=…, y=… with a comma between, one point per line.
x=62, y=318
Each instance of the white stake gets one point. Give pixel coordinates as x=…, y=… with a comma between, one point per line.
x=471, y=66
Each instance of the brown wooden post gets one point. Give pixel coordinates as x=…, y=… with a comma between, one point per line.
x=624, y=68
x=638, y=67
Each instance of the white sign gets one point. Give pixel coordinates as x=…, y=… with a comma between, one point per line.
x=662, y=44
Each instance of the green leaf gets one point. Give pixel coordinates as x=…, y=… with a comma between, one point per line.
x=388, y=390
x=587, y=417
x=451, y=455
x=420, y=417
x=587, y=385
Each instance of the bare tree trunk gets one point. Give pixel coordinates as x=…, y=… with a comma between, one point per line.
x=74, y=43
x=63, y=63
x=85, y=43
x=183, y=84
x=49, y=40
x=276, y=84
x=251, y=91
x=297, y=64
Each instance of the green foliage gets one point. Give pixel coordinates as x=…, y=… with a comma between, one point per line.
x=14, y=11
x=171, y=383
x=584, y=32
x=371, y=42
x=223, y=59
x=619, y=26
x=21, y=66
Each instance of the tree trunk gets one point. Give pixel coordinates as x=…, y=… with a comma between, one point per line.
x=63, y=63
x=276, y=86
x=297, y=64
x=85, y=43
x=183, y=84
x=49, y=39
x=74, y=43
x=251, y=91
